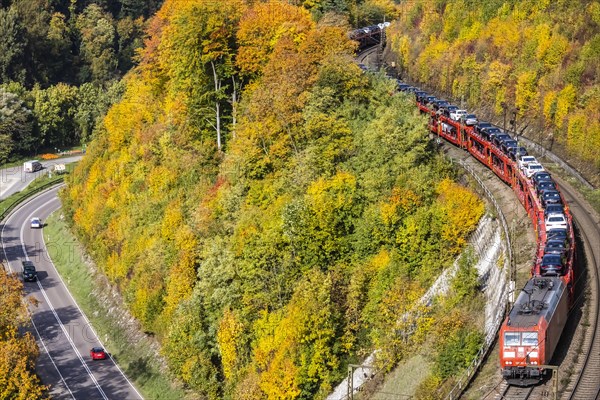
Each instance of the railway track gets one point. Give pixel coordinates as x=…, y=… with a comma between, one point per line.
x=515, y=393
x=506, y=392
x=582, y=374
x=366, y=54
x=585, y=382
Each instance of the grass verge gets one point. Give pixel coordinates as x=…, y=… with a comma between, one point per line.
x=404, y=380
x=136, y=357
x=33, y=187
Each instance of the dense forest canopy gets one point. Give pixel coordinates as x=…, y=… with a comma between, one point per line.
x=268, y=210
x=538, y=61
x=60, y=68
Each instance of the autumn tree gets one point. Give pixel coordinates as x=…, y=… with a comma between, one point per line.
x=18, y=352
x=201, y=34
x=261, y=28
x=502, y=57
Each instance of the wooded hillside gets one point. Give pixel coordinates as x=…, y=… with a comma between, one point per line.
x=267, y=209
x=537, y=60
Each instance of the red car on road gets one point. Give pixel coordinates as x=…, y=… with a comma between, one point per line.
x=98, y=353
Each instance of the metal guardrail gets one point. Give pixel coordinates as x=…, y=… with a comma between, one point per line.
x=27, y=195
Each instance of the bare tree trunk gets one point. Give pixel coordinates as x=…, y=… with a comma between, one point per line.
x=217, y=105
x=234, y=105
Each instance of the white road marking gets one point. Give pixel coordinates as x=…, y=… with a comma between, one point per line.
x=32, y=322
x=45, y=205
x=60, y=323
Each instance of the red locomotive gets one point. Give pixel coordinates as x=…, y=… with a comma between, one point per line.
x=529, y=335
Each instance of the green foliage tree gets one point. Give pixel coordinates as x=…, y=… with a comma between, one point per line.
x=12, y=46
x=35, y=16
x=16, y=126
x=54, y=111
x=59, y=43
x=212, y=25
x=98, y=42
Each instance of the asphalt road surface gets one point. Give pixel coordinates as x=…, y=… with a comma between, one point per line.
x=14, y=179
x=63, y=333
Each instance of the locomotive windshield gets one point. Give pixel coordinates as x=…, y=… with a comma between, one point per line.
x=512, y=338
x=520, y=339
x=530, y=338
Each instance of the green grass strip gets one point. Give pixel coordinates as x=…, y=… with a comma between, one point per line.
x=35, y=186
x=136, y=357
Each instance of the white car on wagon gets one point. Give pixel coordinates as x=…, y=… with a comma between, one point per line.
x=556, y=221
x=532, y=168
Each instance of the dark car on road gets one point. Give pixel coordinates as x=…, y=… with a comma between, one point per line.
x=29, y=272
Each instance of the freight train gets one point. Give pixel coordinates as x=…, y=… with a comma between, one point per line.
x=531, y=331
x=368, y=36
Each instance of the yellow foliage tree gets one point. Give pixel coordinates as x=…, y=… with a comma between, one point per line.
x=505, y=35
x=294, y=345
x=550, y=106
x=564, y=103
x=261, y=28
x=18, y=352
x=462, y=209
x=228, y=337
x=398, y=319
x=526, y=94
x=182, y=275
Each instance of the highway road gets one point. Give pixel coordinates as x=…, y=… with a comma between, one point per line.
x=63, y=333
x=14, y=179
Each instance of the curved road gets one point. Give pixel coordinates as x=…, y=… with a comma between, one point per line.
x=63, y=333
x=14, y=179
